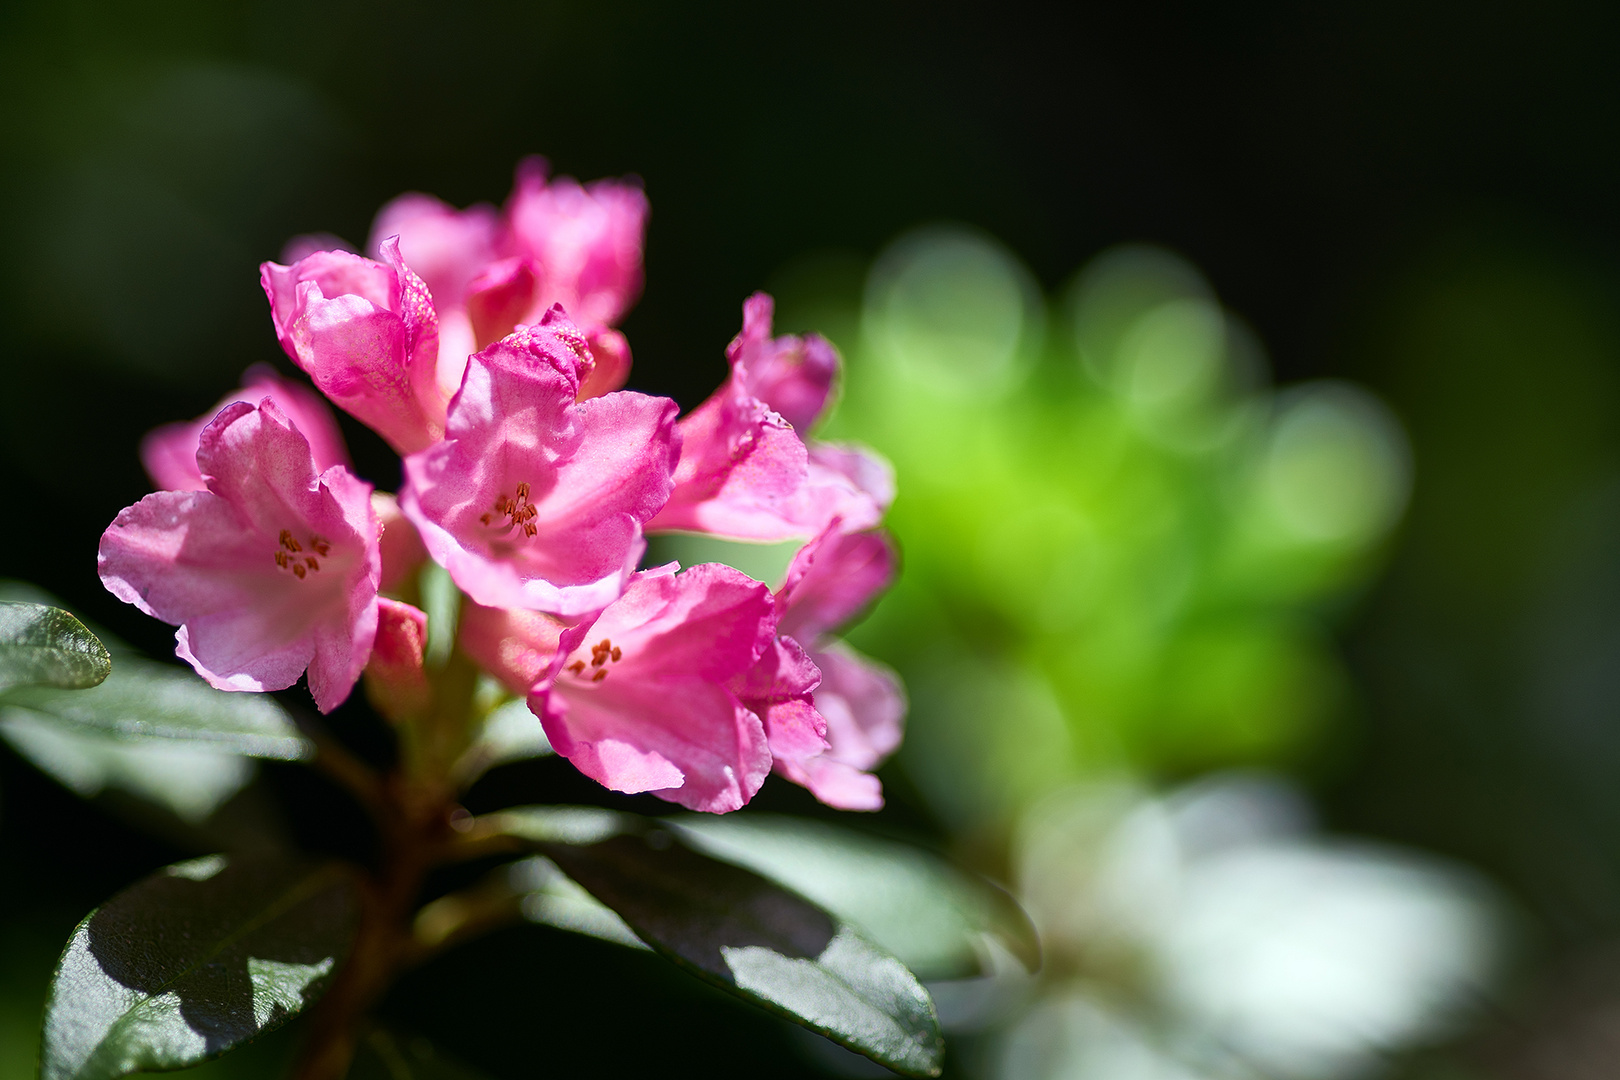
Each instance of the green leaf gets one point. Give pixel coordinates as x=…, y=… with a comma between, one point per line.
x=188, y=778
x=45, y=646
x=192, y=961
x=762, y=942
x=146, y=700
x=387, y=1055
x=942, y=922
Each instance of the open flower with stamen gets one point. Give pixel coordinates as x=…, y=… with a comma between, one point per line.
x=170, y=452
x=535, y=499
x=271, y=570
x=367, y=334
x=640, y=698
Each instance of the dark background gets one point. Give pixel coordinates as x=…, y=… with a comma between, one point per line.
x=1420, y=197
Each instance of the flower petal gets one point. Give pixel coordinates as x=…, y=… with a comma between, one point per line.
x=683, y=739
x=582, y=476
x=170, y=452
x=833, y=578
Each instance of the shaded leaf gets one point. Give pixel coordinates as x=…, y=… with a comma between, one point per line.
x=190, y=779
x=387, y=1055
x=45, y=646
x=931, y=915
x=554, y=899
x=762, y=942
x=147, y=700
x=192, y=961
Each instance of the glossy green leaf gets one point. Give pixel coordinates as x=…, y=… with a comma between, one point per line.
x=762, y=942
x=193, y=961
x=942, y=922
x=45, y=646
x=146, y=700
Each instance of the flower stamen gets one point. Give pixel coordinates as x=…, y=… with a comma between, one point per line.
x=289, y=555
x=602, y=653
x=519, y=512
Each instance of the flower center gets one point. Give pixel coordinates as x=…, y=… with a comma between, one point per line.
x=518, y=512
x=290, y=555
x=601, y=653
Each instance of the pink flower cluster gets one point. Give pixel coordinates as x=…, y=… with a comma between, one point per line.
x=480, y=344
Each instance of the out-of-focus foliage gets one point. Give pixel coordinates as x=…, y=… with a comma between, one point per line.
x=1122, y=547
x=1126, y=553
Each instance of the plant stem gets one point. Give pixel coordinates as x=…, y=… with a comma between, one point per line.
x=411, y=807
x=383, y=940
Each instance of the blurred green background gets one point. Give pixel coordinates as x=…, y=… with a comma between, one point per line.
x=1120, y=560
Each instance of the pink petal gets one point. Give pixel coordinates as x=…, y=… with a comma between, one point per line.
x=835, y=783
x=793, y=376
x=782, y=672
x=500, y=298
x=833, y=578
x=710, y=621
x=446, y=246
x=741, y=470
x=639, y=697
x=517, y=647
x=170, y=452
x=586, y=241
x=367, y=334
x=681, y=738
x=611, y=369
x=864, y=704
x=589, y=474
x=212, y=561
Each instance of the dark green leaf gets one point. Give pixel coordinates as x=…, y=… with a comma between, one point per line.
x=937, y=919
x=762, y=942
x=385, y=1055
x=145, y=700
x=45, y=646
x=192, y=961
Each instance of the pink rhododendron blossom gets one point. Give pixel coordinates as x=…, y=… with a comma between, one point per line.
x=490, y=272
x=535, y=499
x=639, y=698
x=745, y=472
x=396, y=678
x=584, y=241
x=792, y=375
x=270, y=571
x=366, y=333
x=861, y=702
x=845, y=483
x=170, y=452
x=779, y=688
x=448, y=248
